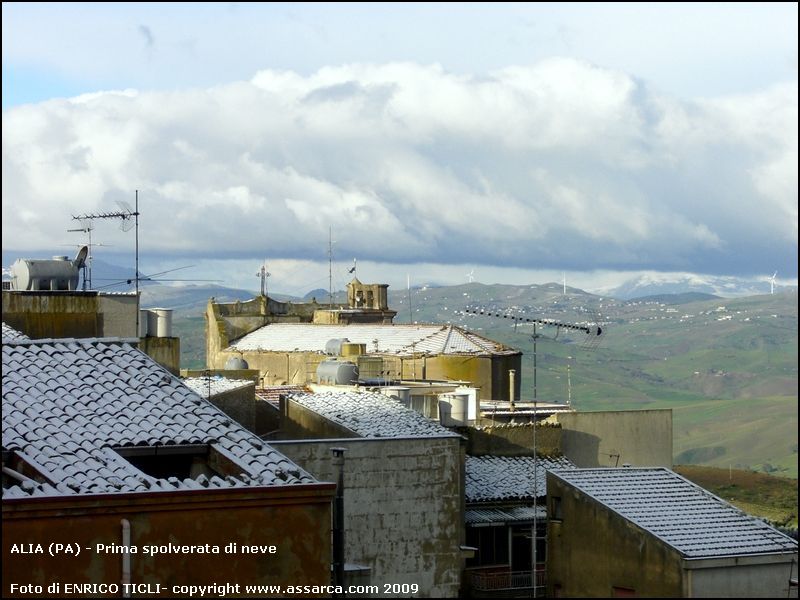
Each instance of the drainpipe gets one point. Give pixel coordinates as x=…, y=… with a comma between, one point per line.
x=511, y=388
x=338, y=519
x=126, y=557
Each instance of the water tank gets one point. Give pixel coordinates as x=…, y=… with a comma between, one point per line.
x=453, y=409
x=235, y=363
x=39, y=274
x=337, y=372
x=160, y=322
x=334, y=347
x=403, y=394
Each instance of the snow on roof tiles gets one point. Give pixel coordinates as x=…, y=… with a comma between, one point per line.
x=10, y=334
x=215, y=385
x=391, y=339
x=370, y=414
x=492, y=478
x=67, y=403
x=683, y=515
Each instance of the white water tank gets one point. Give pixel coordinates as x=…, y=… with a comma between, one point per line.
x=160, y=322
x=34, y=274
x=453, y=410
x=334, y=347
x=337, y=372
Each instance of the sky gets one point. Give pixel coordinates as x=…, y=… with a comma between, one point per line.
x=437, y=143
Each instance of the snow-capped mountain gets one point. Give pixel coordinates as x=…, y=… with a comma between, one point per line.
x=650, y=284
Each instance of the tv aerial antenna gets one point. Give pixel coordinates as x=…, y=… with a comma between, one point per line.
x=86, y=227
x=129, y=218
x=593, y=332
x=264, y=274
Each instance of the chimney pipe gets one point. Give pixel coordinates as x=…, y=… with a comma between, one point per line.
x=338, y=519
x=511, y=388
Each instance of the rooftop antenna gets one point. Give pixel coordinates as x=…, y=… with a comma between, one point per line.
x=129, y=219
x=86, y=227
x=330, y=268
x=264, y=274
x=353, y=268
x=772, y=283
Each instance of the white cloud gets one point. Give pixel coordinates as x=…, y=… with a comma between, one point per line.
x=561, y=164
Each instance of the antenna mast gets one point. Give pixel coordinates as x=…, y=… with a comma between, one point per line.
x=330, y=268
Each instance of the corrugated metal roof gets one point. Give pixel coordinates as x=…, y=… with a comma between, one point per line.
x=211, y=386
x=370, y=414
x=492, y=478
x=10, y=334
x=685, y=516
x=67, y=403
x=497, y=516
x=391, y=339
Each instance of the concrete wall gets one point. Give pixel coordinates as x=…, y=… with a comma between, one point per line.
x=239, y=405
x=592, y=550
x=488, y=373
x=296, y=519
x=404, y=503
x=71, y=314
x=513, y=440
x=641, y=438
x=297, y=421
x=742, y=577
x=166, y=351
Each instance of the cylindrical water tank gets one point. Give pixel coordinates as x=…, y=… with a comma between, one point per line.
x=35, y=274
x=453, y=410
x=337, y=372
x=235, y=363
x=160, y=322
x=334, y=347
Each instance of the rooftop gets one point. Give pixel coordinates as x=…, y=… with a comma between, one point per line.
x=71, y=408
x=370, y=414
x=10, y=334
x=505, y=478
x=683, y=515
x=211, y=386
x=384, y=339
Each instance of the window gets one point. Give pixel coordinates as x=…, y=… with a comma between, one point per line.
x=492, y=545
x=181, y=461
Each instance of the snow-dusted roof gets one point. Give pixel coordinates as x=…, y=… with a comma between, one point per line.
x=10, y=334
x=391, y=339
x=370, y=414
x=211, y=386
x=67, y=403
x=497, y=478
x=695, y=522
x=514, y=514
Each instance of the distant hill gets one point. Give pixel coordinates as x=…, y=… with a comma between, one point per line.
x=665, y=283
x=673, y=299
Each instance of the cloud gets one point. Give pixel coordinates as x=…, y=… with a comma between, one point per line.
x=560, y=165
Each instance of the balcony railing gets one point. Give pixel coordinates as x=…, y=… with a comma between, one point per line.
x=507, y=580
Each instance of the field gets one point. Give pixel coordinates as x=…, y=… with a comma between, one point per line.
x=772, y=498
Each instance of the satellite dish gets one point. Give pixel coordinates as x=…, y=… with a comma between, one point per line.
x=80, y=258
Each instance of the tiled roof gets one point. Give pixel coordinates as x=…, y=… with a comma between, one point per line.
x=10, y=334
x=391, y=339
x=67, y=403
x=211, y=386
x=370, y=414
x=515, y=514
x=273, y=393
x=683, y=515
x=492, y=478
